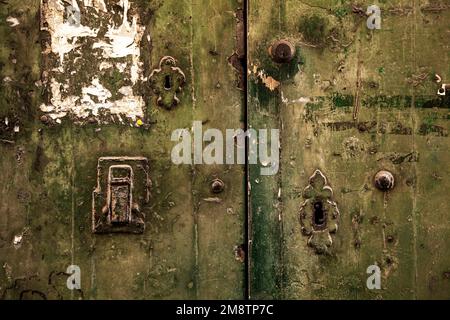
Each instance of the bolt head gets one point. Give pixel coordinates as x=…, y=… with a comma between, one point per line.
x=282, y=51
x=45, y=119
x=217, y=186
x=384, y=180
x=92, y=120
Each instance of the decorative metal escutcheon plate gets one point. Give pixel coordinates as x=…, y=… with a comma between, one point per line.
x=122, y=191
x=167, y=81
x=319, y=214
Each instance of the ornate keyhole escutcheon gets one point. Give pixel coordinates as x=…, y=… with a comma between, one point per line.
x=121, y=193
x=166, y=82
x=319, y=214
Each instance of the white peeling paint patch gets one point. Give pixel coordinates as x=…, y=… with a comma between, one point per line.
x=121, y=40
x=18, y=238
x=95, y=99
x=121, y=66
x=97, y=4
x=126, y=91
x=130, y=105
x=96, y=90
x=124, y=41
x=12, y=21
x=105, y=65
x=64, y=34
x=58, y=106
x=17, y=242
x=117, y=47
x=301, y=100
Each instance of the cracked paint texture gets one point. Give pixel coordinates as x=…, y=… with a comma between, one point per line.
x=105, y=42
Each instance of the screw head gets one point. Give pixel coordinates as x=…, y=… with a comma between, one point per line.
x=282, y=51
x=217, y=186
x=45, y=119
x=92, y=120
x=384, y=180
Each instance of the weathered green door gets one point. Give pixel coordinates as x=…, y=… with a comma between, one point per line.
x=95, y=94
x=91, y=92
x=351, y=100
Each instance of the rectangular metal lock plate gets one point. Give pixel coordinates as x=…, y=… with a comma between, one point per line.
x=121, y=194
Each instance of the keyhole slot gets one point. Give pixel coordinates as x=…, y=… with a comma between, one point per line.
x=167, y=82
x=319, y=215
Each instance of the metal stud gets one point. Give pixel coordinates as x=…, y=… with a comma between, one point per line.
x=217, y=186
x=384, y=180
x=282, y=51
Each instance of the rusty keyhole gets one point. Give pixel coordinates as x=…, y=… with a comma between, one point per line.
x=319, y=215
x=167, y=82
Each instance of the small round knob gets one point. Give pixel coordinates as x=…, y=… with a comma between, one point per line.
x=45, y=119
x=217, y=186
x=282, y=51
x=384, y=180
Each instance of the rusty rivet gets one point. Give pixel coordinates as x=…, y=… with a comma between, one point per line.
x=282, y=51
x=45, y=119
x=384, y=180
x=92, y=120
x=217, y=186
